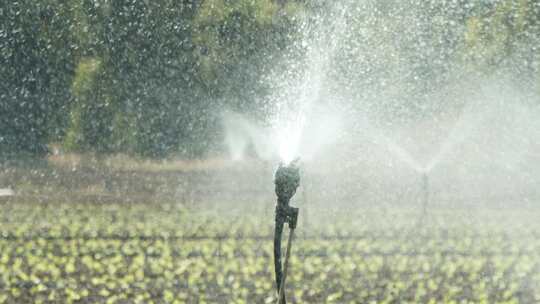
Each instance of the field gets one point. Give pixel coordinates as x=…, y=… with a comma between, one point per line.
x=170, y=253
x=92, y=234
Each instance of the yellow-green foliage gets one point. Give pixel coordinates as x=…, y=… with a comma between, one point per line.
x=84, y=90
x=213, y=16
x=85, y=78
x=164, y=253
x=92, y=114
x=217, y=11
x=489, y=38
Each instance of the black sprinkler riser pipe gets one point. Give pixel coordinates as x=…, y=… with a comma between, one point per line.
x=286, y=180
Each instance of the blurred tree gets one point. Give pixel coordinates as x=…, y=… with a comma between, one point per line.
x=145, y=80
x=35, y=69
x=150, y=77
x=91, y=114
x=235, y=42
x=500, y=33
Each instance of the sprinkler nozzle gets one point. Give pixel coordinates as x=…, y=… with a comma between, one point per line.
x=287, y=180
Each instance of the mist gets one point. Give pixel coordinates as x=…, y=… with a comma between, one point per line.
x=162, y=151
x=380, y=110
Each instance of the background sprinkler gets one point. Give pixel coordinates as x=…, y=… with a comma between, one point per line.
x=425, y=197
x=287, y=180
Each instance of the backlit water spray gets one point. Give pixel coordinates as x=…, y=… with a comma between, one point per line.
x=297, y=92
x=293, y=109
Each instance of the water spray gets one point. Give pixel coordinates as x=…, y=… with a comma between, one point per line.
x=287, y=180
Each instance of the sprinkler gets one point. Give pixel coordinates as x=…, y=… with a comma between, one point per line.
x=287, y=180
x=425, y=196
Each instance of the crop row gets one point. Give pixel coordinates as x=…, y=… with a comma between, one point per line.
x=157, y=254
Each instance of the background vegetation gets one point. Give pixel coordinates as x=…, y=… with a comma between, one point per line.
x=147, y=77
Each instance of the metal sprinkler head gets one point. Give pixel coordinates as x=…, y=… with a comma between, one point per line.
x=287, y=180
